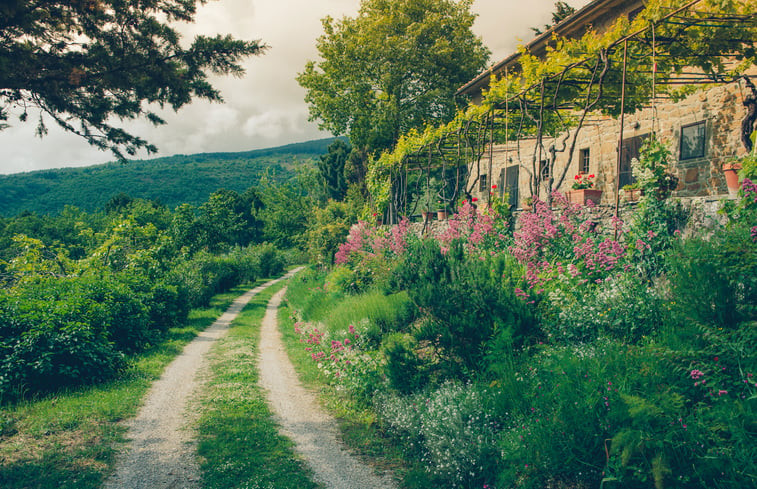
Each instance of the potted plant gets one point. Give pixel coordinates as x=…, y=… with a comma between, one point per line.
x=731, y=173
x=651, y=170
x=528, y=203
x=425, y=203
x=582, y=191
x=632, y=192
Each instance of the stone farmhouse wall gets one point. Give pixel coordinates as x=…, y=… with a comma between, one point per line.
x=718, y=111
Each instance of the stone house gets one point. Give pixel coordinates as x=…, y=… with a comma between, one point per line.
x=703, y=130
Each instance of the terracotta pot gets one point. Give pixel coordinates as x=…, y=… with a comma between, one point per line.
x=731, y=173
x=441, y=215
x=584, y=195
x=632, y=195
x=426, y=215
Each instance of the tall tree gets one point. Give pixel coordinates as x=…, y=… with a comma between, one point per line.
x=392, y=68
x=562, y=11
x=331, y=169
x=83, y=63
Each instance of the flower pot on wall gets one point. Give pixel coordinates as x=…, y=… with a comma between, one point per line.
x=441, y=215
x=426, y=215
x=731, y=173
x=632, y=195
x=584, y=195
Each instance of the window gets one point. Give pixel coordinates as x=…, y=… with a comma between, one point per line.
x=482, y=183
x=631, y=147
x=583, y=161
x=692, y=141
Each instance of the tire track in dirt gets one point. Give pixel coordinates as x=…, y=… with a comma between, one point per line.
x=161, y=452
x=301, y=418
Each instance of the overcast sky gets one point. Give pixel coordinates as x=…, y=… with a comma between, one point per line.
x=266, y=107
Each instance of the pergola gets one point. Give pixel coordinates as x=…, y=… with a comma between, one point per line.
x=662, y=54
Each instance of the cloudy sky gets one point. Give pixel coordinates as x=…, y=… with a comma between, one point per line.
x=266, y=107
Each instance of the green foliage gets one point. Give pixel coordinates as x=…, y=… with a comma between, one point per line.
x=451, y=430
x=173, y=180
x=405, y=370
x=587, y=313
x=327, y=229
x=393, y=67
x=284, y=213
x=652, y=171
x=205, y=275
x=714, y=281
x=83, y=64
x=86, y=420
x=331, y=167
x=467, y=298
x=654, y=228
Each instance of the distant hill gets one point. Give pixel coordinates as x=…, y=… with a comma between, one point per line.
x=171, y=180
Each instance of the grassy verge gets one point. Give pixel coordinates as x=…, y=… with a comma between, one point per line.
x=358, y=425
x=69, y=440
x=239, y=443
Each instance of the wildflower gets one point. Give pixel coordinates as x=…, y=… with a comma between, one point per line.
x=494, y=186
x=695, y=374
x=722, y=392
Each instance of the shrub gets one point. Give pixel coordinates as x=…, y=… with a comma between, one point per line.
x=635, y=416
x=53, y=335
x=450, y=430
x=404, y=369
x=624, y=307
x=468, y=298
x=326, y=231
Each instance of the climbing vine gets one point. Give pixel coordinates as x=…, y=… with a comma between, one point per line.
x=668, y=50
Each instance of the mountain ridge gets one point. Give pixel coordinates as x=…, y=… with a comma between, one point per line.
x=171, y=180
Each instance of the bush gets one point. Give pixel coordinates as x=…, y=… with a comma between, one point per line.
x=624, y=307
x=53, y=335
x=714, y=280
x=468, y=298
x=404, y=369
x=450, y=430
x=635, y=416
x=58, y=332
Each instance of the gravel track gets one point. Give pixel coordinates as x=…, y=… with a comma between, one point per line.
x=161, y=453
x=301, y=418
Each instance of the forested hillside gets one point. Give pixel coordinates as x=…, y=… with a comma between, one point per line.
x=171, y=180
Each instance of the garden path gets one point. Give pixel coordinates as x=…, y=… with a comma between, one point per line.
x=161, y=452
x=301, y=418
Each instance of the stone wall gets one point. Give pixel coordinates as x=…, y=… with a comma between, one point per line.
x=703, y=216
x=719, y=108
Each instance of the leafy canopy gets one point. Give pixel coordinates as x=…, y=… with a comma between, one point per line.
x=392, y=68
x=85, y=62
